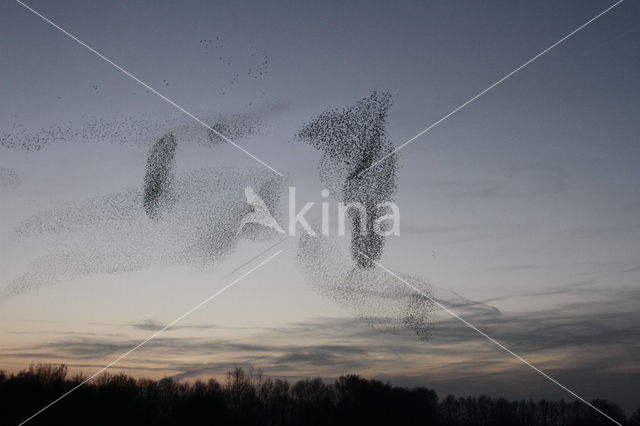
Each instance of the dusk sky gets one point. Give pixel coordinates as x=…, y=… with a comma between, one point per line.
x=527, y=200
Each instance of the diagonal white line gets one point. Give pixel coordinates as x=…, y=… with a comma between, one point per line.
x=255, y=257
x=128, y=74
x=492, y=86
x=153, y=336
x=491, y=339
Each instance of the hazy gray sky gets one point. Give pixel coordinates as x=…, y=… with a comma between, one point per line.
x=528, y=199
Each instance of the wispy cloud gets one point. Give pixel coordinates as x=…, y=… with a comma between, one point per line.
x=591, y=343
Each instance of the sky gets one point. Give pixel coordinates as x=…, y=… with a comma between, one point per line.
x=526, y=200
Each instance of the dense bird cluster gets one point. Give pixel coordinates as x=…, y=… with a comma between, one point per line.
x=352, y=140
x=199, y=217
x=233, y=127
x=130, y=131
x=371, y=294
x=248, y=399
x=199, y=224
x=159, y=176
x=375, y=296
x=189, y=218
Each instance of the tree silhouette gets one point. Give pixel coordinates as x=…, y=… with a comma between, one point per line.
x=248, y=398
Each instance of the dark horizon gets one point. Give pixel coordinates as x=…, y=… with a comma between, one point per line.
x=246, y=397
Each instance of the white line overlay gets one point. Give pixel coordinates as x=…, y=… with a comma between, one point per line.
x=492, y=86
x=199, y=305
x=500, y=345
x=128, y=74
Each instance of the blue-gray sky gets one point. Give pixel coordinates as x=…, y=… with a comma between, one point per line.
x=528, y=199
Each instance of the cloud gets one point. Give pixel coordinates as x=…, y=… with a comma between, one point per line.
x=152, y=325
x=588, y=285
x=334, y=342
x=588, y=345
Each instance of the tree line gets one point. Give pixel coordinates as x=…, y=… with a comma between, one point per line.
x=247, y=398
